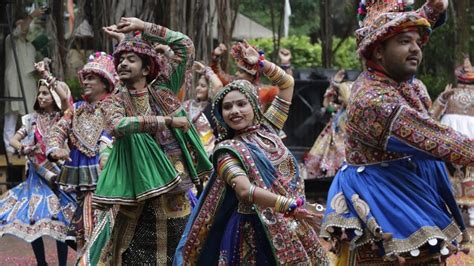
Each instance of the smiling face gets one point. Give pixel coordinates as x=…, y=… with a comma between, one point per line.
x=93, y=87
x=131, y=68
x=202, y=90
x=237, y=111
x=45, y=99
x=400, y=55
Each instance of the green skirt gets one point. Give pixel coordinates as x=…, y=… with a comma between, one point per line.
x=137, y=169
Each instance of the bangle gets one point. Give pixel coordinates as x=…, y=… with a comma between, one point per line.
x=294, y=204
x=261, y=58
x=251, y=192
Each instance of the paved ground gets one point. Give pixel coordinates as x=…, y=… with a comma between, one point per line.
x=14, y=251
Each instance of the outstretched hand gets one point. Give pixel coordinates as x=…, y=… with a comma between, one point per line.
x=131, y=24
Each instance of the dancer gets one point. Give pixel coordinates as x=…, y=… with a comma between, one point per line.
x=150, y=173
x=83, y=128
x=392, y=200
x=455, y=107
x=252, y=211
x=198, y=109
x=38, y=207
x=327, y=154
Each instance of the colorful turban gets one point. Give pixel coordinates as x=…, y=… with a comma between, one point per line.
x=465, y=72
x=382, y=19
x=102, y=65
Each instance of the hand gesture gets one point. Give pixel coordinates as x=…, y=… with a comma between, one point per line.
x=249, y=54
x=285, y=56
x=112, y=32
x=181, y=122
x=440, y=5
x=60, y=154
x=339, y=77
x=199, y=67
x=314, y=219
x=42, y=67
x=448, y=91
x=161, y=48
x=38, y=12
x=219, y=50
x=127, y=25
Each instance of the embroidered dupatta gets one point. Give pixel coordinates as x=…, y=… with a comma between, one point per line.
x=291, y=241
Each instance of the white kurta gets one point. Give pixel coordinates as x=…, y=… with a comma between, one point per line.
x=26, y=58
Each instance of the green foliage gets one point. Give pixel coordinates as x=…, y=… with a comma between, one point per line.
x=346, y=56
x=75, y=87
x=306, y=55
x=434, y=84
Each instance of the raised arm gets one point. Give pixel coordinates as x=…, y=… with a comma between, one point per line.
x=61, y=88
x=216, y=64
x=182, y=47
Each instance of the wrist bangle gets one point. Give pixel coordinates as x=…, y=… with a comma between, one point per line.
x=251, y=192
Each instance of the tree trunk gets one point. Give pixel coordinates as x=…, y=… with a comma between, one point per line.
x=462, y=30
x=56, y=28
x=227, y=11
x=326, y=33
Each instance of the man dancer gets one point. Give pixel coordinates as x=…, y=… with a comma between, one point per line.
x=393, y=150
x=154, y=199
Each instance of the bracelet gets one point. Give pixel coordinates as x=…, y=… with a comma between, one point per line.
x=293, y=206
x=251, y=192
x=261, y=58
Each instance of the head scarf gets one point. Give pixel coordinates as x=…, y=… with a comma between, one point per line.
x=249, y=91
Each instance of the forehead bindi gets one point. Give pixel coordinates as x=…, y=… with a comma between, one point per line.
x=234, y=96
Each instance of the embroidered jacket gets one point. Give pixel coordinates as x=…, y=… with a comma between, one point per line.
x=381, y=108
